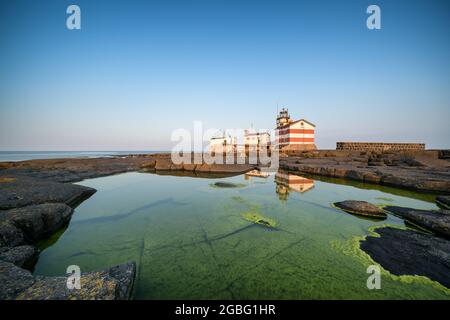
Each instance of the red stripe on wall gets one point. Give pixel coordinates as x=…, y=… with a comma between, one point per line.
x=301, y=131
x=296, y=140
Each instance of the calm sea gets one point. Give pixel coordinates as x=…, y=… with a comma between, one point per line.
x=30, y=155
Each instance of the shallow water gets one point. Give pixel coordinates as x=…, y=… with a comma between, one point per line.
x=191, y=241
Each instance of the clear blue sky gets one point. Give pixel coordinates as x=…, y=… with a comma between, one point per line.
x=139, y=69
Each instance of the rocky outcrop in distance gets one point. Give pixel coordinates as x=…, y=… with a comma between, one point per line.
x=420, y=171
x=73, y=170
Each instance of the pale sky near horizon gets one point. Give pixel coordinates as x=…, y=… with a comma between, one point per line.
x=137, y=70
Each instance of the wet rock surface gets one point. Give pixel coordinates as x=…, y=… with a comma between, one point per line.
x=433, y=220
x=443, y=201
x=361, y=208
x=21, y=256
x=114, y=283
x=407, y=252
x=25, y=191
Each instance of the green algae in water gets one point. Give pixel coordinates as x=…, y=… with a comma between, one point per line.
x=190, y=241
x=257, y=218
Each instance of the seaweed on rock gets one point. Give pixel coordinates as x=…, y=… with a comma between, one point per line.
x=352, y=247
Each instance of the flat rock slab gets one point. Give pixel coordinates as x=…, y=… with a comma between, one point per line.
x=361, y=208
x=115, y=283
x=75, y=169
x=443, y=201
x=167, y=165
x=23, y=191
x=32, y=223
x=432, y=220
x=407, y=252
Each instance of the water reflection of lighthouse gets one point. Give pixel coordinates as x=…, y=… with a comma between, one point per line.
x=287, y=181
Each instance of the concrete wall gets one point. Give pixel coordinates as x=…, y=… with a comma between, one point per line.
x=379, y=146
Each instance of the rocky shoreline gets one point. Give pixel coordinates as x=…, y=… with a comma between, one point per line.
x=115, y=283
x=37, y=199
x=408, y=252
x=78, y=169
x=423, y=171
x=424, y=251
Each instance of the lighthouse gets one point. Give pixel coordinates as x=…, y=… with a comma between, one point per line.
x=294, y=135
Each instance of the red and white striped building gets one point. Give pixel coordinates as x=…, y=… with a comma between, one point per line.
x=294, y=135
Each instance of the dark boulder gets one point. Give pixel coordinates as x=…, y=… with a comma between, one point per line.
x=362, y=208
x=38, y=221
x=21, y=256
x=432, y=220
x=10, y=235
x=408, y=252
x=13, y=280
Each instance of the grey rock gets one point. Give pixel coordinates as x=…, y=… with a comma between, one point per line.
x=21, y=256
x=38, y=221
x=10, y=236
x=115, y=283
x=125, y=275
x=443, y=201
x=13, y=280
x=407, y=252
x=361, y=208
x=24, y=191
x=432, y=220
